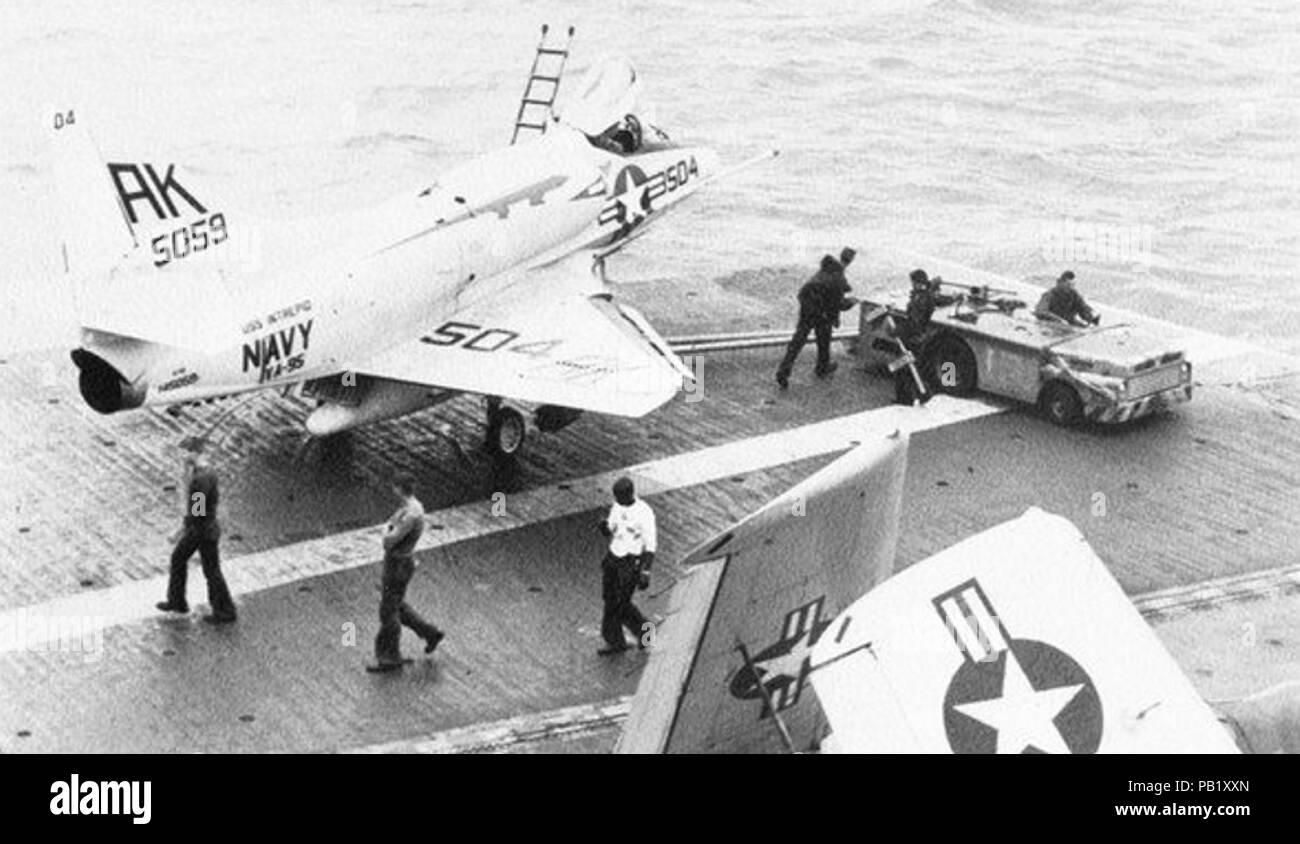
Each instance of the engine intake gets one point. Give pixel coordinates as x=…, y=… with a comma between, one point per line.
x=103, y=387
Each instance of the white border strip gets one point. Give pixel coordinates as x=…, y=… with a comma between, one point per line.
x=134, y=601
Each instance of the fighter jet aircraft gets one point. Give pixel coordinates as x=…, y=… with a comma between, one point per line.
x=1015, y=640
x=487, y=281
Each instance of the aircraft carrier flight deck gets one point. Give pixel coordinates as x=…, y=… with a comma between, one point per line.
x=509, y=565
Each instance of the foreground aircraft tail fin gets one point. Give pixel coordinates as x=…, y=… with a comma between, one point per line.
x=94, y=233
x=755, y=599
x=1016, y=640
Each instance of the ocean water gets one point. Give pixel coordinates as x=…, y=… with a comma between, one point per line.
x=1151, y=145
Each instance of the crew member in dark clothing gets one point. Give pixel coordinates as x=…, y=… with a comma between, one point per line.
x=1063, y=304
x=920, y=308
x=821, y=300
x=199, y=532
x=910, y=331
x=400, y=537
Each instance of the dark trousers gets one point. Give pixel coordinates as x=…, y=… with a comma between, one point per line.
x=218, y=593
x=619, y=579
x=807, y=325
x=395, y=612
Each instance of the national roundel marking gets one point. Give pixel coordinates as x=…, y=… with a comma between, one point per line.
x=1046, y=667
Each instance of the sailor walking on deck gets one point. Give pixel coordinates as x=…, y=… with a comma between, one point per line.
x=400, y=537
x=630, y=527
x=821, y=300
x=200, y=531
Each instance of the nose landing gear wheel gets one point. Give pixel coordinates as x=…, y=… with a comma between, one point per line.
x=505, y=432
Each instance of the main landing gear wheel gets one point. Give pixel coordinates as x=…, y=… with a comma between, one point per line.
x=506, y=430
x=1061, y=404
x=950, y=367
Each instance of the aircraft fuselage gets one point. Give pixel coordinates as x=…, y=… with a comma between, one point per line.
x=411, y=264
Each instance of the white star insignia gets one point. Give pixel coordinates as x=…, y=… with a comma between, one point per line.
x=1023, y=716
x=633, y=202
x=789, y=664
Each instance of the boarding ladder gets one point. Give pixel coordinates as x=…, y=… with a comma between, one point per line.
x=543, y=85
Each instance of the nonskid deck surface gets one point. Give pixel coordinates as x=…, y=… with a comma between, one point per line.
x=88, y=502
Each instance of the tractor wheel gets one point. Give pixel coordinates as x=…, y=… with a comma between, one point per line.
x=950, y=366
x=1061, y=404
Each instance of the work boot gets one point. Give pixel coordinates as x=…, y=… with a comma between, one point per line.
x=168, y=606
x=220, y=618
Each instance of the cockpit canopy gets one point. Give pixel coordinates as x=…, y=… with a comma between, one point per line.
x=609, y=107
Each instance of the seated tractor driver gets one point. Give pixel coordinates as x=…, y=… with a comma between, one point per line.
x=1064, y=305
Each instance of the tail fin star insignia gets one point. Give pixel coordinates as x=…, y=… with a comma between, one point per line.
x=783, y=666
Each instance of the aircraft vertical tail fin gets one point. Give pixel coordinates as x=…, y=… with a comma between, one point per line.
x=169, y=291
x=756, y=598
x=93, y=228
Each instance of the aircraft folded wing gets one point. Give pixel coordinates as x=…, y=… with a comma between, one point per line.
x=1016, y=640
x=587, y=353
x=756, y=598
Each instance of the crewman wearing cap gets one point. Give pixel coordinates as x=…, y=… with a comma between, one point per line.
x=920, y=308
x=821, y=300
x=1063, y=304
x=910, y=331
x=630, y=527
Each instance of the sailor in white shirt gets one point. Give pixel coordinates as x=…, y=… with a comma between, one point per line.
x=630, y=527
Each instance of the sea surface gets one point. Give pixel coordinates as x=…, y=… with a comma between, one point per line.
x=1150, y=145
